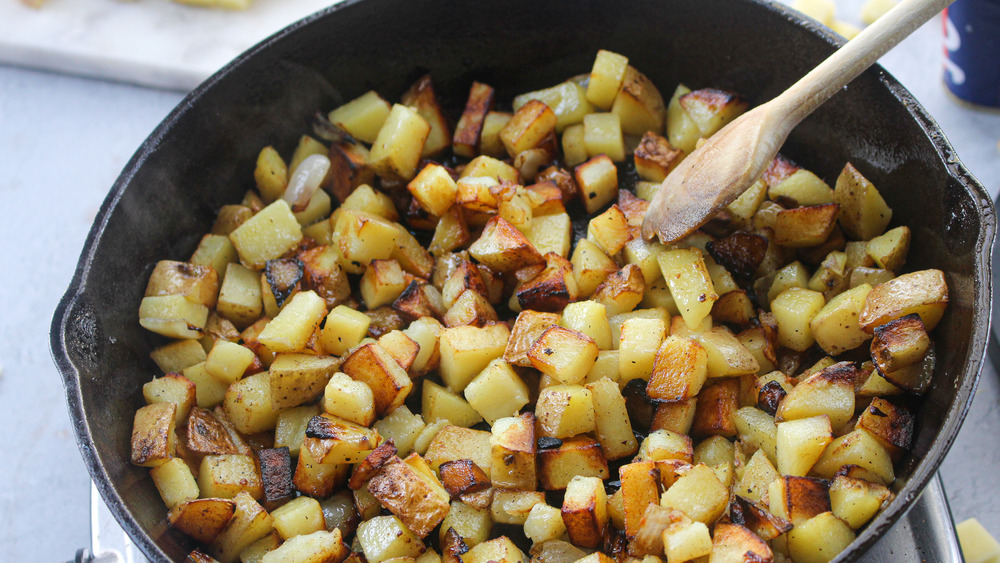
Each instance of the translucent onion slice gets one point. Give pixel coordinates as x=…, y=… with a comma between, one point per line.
x=305, y=181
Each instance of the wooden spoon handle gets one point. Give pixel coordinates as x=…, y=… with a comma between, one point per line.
x=853, y=58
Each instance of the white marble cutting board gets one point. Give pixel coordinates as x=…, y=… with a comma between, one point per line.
x=150, y=42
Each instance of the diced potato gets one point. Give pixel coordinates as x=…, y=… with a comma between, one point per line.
x=396, y=150
x=710, y=109
x=202, y=519
x=438, y=403
x=376, y=368
x=580, y=455
x=225, y=476
x=466, y=350
x=733, y=542
x=267, y=235
x=466, y=140
x=402, y=427
x=609, y=230
x=564, y=410
x=591, y=266
x=454, y=443
x=664, y=444
x=856, y=501
x=173, y=316
x=198, y=284
x=805, y=226
x=794, y=310
x=620, y=292
x=344, y=329
x=350, y=400
x=829, y=391
x=331, y=440
x=606, y=78
x=611, y=421
x=584, y=511
x=503, y=248
x=802, y=187
x=801, y=442
x=564, y=354
x=300, y=516
x=820, y=538
x=758, y=429
x=835, y=327
x=699, y=494
x=382, y=283
x=597, y=181
x=551, y=233
x=924, y=293
x=174, y=481
x=977, y=543
x=689, y=283
x=153, y=439
x=529, y=126
x=602, y=134
x=248, y=404
x=411, y=491
x=856, y=448
x=567, y=101
x=473, y=525
x=639, y=104
x=497, y=392
x=362, y=117
x=385, y=537
x=500, y=550
x=757, y=476
x=864, y=214
x=544, y=523
x=363, y=237
x=638, y=347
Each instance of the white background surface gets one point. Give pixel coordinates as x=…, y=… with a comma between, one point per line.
x=63, y=141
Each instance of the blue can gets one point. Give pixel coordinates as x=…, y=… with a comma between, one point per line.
x=972, y=51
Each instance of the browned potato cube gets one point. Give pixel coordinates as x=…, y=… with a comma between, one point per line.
x=710, y=109
x=733, y=542
x=467, y=133
x=580, y=455
x=382, y=283
x=585, y=511
x=675, y=417
x=331, y=440
x=757, y=518
x=798, y=499
x=900, y=343
x=528, y=327
x=716, y=409
x=349, y=169
x=621, y=291
x=202, y=519
x=463, y=476
x=639, y=104
x=276, y=476
x=409, y=489
x=564, y=410
x=422, y=98
x=640, y=488
x=829, y=391
x=317, y=479
x=805, y=226
x=512, y=457
x=655, y=157
x=453, y=443
x=153, y=439
x=858, y=447
x=531, y=124
x=376, y=368
x=551, y=290
x=680, y=370
x=609, y=230
x=892, y=426
x=206, y=435
x=503, y=248
x=564, y=354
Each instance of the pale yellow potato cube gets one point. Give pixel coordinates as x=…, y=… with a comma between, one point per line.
x=591, y=266
x=665, y=444
x=977, y=543
x=350, y=400
x=172, y=388
x=269, y=234
x=362, y=117
x=249, y=523
x=385, y=537
x=606, y=78
x=835, y=327
x=639, y=341
x=175, y=482
x=295, y=324
x=209, y=391
x=801, y=442
x=434, y=189
x=699, y=494
x=290, y=427
x=402, y=427
x=794, y=310
x=644, y=254
x=551, y=233
x=489, y=139
x=368, y=200
x=215, y=251
x=757, y=476
x=438, y=403
x=497, y=392
x=819, y=538
x=544, y=523
x=682, y=132
x=316, y=547
x=610, y=230
x=466, y=350
x=860, y=448
x=857, y=501
x=248, y=404
x=863, y=213
x=400, y=142
x=228, y=361
x=590, y=318
x=500, y=550
x=689, y=283
x=757, y=428
x=597, y=180
x=225, y=476
x=179, y=354
x=574, y=149
x=173, y=316
x=565, y=410
x=271, y=174
x=344, y=329
x=686, y=542
x=488, y=167
x=612, y=424
x=318, y=209
x=605, y=366
x=602, y=134
x=567, y=100
x=889, y=250
x=240, y=296
x=297, y=517
x=382, y=282
x=564, y=354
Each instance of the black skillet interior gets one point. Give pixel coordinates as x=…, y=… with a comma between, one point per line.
x=202, y=156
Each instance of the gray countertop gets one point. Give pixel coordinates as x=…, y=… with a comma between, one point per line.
x=63, y=141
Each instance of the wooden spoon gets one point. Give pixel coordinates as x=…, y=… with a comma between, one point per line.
x=715, y=174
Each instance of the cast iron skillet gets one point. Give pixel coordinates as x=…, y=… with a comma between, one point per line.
x=202, y=156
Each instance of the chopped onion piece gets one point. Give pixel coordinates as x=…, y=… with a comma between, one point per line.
x=305, y=181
